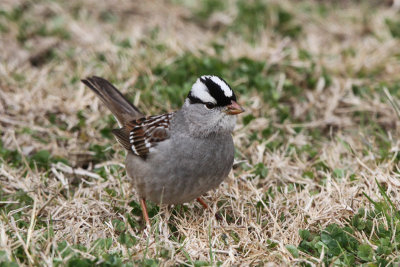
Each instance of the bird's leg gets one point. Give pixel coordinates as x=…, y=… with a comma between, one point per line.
x=205, y=206
x=203, y=203
x=144, y=211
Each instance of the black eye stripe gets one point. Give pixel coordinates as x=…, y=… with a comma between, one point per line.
x=216, y=92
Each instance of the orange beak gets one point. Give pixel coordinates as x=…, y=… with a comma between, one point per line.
x=233, y=109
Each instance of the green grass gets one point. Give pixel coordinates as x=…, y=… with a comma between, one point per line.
x=338, y=245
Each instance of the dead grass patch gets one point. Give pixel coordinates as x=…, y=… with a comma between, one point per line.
x=52, y=213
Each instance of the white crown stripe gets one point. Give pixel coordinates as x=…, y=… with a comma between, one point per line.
x=200, y=91
x=227, y=91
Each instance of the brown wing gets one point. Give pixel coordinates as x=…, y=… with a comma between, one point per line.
x=138, y=136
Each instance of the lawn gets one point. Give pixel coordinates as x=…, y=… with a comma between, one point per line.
x=316, y=178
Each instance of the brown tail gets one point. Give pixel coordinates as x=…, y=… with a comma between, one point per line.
x=121, y=108
x=122, y=136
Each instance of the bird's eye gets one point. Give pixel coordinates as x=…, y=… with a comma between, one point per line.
x=210, y=105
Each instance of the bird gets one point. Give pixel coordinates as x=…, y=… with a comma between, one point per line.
x=176, y=157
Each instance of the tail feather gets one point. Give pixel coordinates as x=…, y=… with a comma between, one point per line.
x=122, y=136
x=121, y=108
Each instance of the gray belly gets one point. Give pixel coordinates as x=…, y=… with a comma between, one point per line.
x=175, y=173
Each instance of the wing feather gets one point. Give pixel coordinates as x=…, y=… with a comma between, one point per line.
x=138, y=136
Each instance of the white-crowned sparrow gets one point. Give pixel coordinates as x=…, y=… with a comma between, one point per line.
x=176, y=157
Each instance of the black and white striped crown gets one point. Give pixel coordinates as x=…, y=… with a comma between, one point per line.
x=211, y=89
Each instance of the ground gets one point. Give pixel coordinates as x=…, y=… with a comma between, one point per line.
x=316, y=179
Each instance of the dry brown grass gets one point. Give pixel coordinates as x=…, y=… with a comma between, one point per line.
x=73, y=201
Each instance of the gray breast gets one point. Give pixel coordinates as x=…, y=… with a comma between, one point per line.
x=182, y=168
